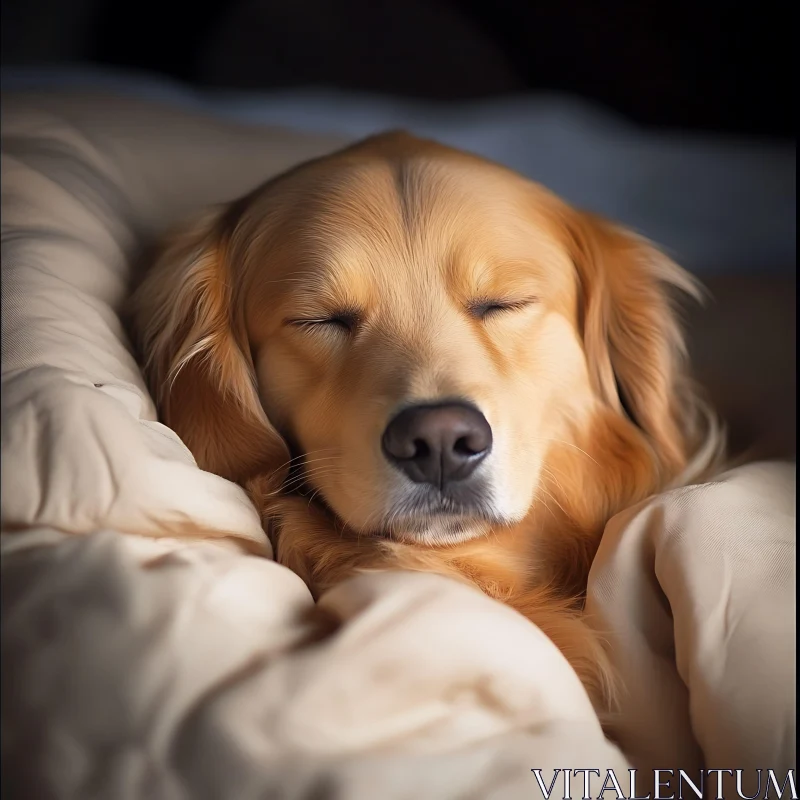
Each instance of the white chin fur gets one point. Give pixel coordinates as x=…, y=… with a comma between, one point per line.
x=442, y=531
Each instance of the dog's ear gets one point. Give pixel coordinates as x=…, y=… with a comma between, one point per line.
x=196, y=355
x=634, y=342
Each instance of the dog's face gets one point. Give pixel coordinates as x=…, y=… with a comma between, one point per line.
x=423, y=328
x=416, y=338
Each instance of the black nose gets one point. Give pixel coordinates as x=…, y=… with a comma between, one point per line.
x=437, y=444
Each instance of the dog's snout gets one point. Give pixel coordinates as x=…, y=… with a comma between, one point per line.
x=437, y=444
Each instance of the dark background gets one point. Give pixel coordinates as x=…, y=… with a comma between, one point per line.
x=680, y=65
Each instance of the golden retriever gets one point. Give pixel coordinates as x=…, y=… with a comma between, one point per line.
x=414, y=358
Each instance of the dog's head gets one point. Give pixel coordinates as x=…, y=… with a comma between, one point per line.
x=440, y=343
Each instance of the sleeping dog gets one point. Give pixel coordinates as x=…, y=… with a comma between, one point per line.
x=413, y=358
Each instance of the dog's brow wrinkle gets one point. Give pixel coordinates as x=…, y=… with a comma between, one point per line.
x=402, y=182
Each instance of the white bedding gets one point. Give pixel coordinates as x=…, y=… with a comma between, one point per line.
x=144, y=667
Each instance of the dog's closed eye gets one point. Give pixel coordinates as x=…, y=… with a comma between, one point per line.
x=484, y=308
x=342, y=321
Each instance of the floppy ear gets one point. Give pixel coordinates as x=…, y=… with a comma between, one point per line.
x=196, y=356
x=635, y=346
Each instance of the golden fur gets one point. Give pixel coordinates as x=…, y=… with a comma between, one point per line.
x=582, y=376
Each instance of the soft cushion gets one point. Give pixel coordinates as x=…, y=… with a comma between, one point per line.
x=696, y=593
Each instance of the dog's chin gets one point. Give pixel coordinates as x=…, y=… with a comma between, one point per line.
x=439, y=522
x=424, y=518
x=436, y=530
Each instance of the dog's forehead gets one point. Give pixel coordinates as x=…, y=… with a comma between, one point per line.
x=420, y=202
x=412, y=224
x=419, y=185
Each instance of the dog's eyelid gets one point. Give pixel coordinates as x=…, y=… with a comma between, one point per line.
x=483, y=307
x=346, y=320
